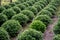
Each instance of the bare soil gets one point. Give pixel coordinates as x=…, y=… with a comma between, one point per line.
x=48, y=35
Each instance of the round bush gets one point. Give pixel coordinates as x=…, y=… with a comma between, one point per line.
x=38, y=25
x=26, y=4
x=22, y=7
x=16, y=9
x=7, y=6
x=12, y=27
x=38, y=7
x=44, y=18
x=1, y=9
x=45, y=12
x=30, y=3
x=56, y=37
x=9, y=13
x=3, y=34
x=37, y=3
x=57, y=28
x=41, y=2
x=30, y=34
x=21, y=18
x=12, y=4
x=51, y=10
x=28, y=13
x=33, y=9
x=53, y=7
x=3, y=18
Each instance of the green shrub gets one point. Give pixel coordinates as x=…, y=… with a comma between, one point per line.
x=26, y=4
x=30, y=34
x=7, y=6
x=38, y=7
x=30, y=3
x=9, y=13
x=28, y=13
x=38, y=25
x=3, y=34
x=37, y=3
x=3, y=18
x=57, y=28
x=22, y=7
x=51, y=10
x=56, y=37
x=16, y=9
x=41, y=2
x=12, y=4
x=53, y=7
x=17, y=2
x=44, y=18
x=12, y=27
x=1, y=9
x=45, y=12
x=33, y=9
x=21, y=18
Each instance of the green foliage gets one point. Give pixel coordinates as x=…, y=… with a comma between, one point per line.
x=12, y=4
x=3, y=34
x=56, y=37
x=12, y=27
x=30, y=3
x=38, y=25
x=1, y=9
x=44, y=18
x=45, y=12
x=3, y=18
x=26, y=4
x=21, y=18
x=39, y=8
x=9, y=13
x=37, y=3
x=22, y=7
x=57, y=28
x=30, y=34
x=16, y=9
x=53, y=7
x=33, y=9
x=28, y=13
x=7, y=6
x=51, y=10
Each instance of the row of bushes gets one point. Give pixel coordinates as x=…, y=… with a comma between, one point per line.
x=9, y=13
x=36, y=26
x=13, y=27
x=14, y=4
x=16, y=10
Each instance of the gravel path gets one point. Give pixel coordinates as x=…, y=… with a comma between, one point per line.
x=48, y=35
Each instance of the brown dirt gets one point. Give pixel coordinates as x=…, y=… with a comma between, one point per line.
x=48, y=35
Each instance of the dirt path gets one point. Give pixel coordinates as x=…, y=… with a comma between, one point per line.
x=48, y=35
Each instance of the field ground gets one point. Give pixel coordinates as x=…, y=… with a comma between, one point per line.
x=5, y=2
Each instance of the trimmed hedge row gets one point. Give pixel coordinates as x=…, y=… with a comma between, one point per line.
x=38, y=25
x=12, y=27
x=4, y=34
x=44, y=18
x=30, y=34
x=3, y=18
x=49, y=10
x=23, y=19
